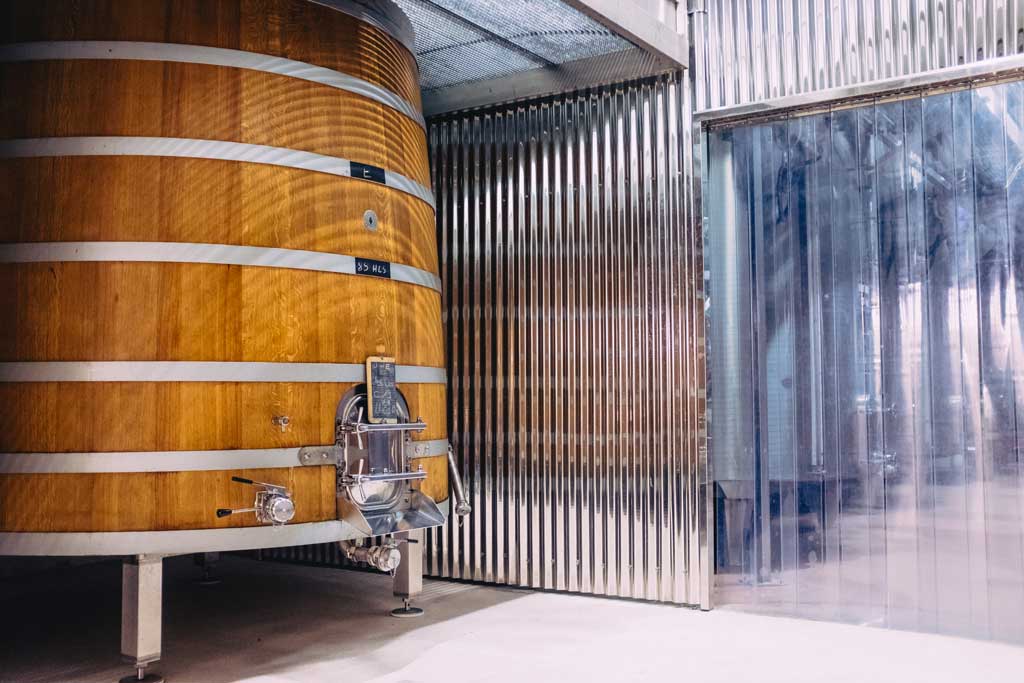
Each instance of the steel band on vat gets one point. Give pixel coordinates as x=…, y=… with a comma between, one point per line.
x=210, y=149
x=181, y=461
x=177, y=542
x=205, y=371
x=211, y=56
x=214, y=254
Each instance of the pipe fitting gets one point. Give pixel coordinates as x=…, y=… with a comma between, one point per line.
x=385, y=558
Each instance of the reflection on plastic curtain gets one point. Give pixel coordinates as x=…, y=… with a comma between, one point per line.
x=867, y=367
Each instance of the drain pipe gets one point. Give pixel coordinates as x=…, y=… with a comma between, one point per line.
x=384, y=557
x=462, y=506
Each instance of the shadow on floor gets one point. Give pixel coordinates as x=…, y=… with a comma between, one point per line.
x=64, y=623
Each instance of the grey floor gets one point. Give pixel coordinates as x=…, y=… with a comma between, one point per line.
x=276, y=623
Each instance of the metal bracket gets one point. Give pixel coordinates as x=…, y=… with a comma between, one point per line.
x=315, y=456
x=425, y=449
x=320, y=455
x=367, y=427
x=357, y=479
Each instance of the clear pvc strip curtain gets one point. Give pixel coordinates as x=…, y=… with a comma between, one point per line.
x=867, y=367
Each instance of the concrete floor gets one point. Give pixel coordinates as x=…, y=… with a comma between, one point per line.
x=276, y=623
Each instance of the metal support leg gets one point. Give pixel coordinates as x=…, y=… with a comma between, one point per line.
x=409, y=575
x=142, y=580
x=208, y=563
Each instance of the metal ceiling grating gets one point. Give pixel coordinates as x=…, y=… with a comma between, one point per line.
x=461, y=41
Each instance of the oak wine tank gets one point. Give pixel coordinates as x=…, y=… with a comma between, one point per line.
x=212, y=213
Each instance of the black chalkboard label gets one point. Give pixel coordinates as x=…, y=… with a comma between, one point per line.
x=367, y=266
x=366, y=172
x=383, y=396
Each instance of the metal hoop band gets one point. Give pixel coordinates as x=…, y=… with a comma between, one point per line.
x=210, y=149
x=212, y=56
x=176, y=461
x=216, y=254
x=205, y=371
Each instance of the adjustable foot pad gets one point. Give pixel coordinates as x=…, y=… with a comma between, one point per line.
x=407, y=610
x=148, y=678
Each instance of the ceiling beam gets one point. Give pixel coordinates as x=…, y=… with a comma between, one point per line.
x=588, y=72
x=655, y=25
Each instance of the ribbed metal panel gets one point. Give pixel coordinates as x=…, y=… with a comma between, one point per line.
x=572, y=285
x=763, y=49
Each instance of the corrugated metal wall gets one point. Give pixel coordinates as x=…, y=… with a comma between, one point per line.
x=753, y=50
x=572, y=290
x=572, y=287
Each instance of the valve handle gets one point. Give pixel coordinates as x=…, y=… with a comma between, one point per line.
x=270, y=487
x=224, y=512
x=273, y=505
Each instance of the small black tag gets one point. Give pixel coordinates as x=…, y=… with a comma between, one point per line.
x=367, y=266
x=367, y=172
x=383, y=394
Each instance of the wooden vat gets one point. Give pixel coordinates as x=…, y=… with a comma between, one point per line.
x=191, y=195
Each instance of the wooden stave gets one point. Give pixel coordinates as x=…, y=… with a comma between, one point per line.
x=287, y=208
x=418, y=171
x=299, y=30
x=129, y=98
